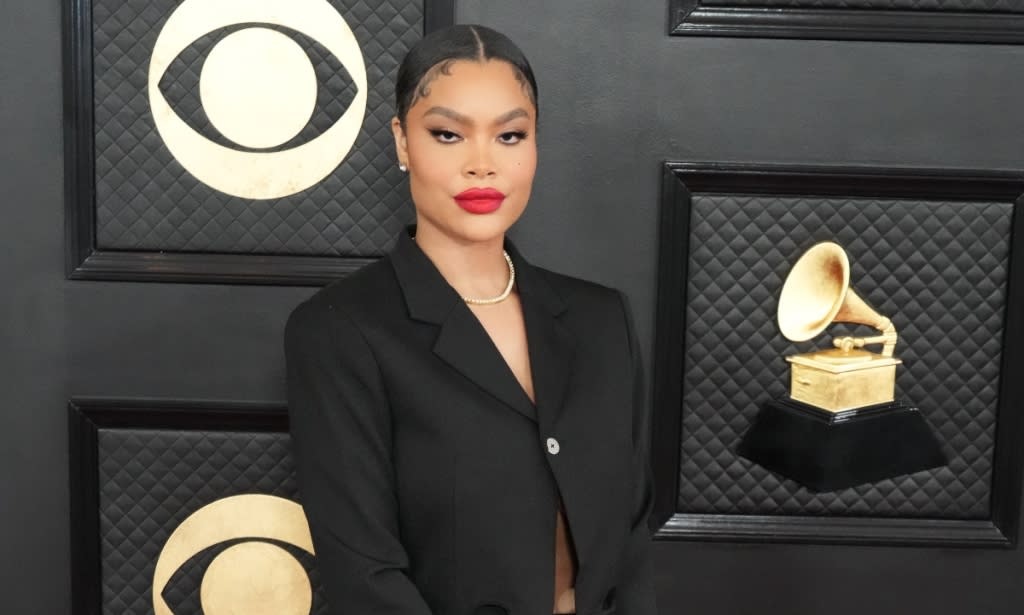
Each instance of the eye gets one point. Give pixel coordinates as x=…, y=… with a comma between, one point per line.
x=512, y=137
x=445, y=136
x=260, y=70
x=227, y=578
x=212, y=113
x=245, y=553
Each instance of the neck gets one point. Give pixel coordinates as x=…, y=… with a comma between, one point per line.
x=474, y=268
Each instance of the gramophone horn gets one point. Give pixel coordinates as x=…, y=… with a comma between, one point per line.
x=817, y=293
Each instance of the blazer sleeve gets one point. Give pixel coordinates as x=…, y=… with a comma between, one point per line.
x=341, y=440
x=635, y=595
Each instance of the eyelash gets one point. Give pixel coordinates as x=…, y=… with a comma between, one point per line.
x=439, y=135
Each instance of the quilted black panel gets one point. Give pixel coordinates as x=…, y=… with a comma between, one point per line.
x=987, y=6
x=939, y=270
x=145, y=200
x=151, y=480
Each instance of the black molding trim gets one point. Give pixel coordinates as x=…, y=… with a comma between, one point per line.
x=86, y=416
x=79, y=145
x=1008, y=464
x=834, y=530
x=84, y=261
x=682, y=179
x=83, y=458
x=691, y=18
x=213, y=268
x=670, y=318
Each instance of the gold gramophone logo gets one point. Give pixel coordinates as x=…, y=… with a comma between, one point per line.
x=254, y=576
x=259, y=89
x=841, y=424
x=816, y=294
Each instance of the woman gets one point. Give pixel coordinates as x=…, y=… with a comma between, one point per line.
x=469, y=429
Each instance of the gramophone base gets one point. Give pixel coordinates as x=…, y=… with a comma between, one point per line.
x=826, y=451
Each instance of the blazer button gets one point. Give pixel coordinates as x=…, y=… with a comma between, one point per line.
x=553, y=447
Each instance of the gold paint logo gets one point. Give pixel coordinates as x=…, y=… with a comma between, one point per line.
x=252, y=577
x=258, y=88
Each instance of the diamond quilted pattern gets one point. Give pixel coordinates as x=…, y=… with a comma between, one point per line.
x=988, y=6
x=151, y=480
x=145, y=200
x=939, y=270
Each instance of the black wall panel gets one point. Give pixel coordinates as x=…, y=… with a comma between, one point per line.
x=931, y=249
x=138, y=211
x=938, y=269
x=142, y=468
x=145, y=201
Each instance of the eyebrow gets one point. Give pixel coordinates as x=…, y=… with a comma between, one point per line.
x=462, y=119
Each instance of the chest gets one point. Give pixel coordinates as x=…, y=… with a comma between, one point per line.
x=464, y=435
x=489, y=385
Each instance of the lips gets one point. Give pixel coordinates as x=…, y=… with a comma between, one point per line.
x=480, y=200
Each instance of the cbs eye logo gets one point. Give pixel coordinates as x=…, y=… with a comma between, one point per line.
x=258, y=89
x=252, y=576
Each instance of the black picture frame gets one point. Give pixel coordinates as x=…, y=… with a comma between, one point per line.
x=692, y=18
x=680, y=180
x=86, y=416
x=84, y=261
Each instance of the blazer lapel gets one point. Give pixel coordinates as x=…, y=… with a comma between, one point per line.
x=552, y=346
x=464, y=344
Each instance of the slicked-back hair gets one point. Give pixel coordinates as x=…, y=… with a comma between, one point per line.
x=435, y=53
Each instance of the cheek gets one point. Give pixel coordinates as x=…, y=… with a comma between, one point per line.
x=428, y=166
x=525, y=165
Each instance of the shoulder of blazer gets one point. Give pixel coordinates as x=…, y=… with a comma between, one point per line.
x=583, y=296
x=575, y=290
x=358, y=292
x=589, y=296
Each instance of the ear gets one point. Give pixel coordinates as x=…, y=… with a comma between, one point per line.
x=401, y=145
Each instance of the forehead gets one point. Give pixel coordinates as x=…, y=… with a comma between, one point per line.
x=494, y=86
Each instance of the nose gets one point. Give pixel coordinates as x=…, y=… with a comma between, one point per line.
x=480, y=163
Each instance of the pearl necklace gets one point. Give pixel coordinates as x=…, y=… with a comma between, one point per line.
x=508, y=287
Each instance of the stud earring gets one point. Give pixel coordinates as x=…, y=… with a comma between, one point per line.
x=402, y=167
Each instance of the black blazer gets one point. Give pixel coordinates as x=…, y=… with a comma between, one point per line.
x=429, y=478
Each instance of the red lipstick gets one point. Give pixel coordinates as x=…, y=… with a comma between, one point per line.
x=480, y=200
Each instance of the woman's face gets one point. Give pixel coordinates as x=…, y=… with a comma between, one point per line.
x=471, y=134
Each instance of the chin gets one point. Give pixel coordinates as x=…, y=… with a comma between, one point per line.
x=475, y=227
x=481, y=227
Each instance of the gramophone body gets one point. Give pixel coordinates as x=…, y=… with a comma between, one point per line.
x=838, y=387
x=816, y=294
